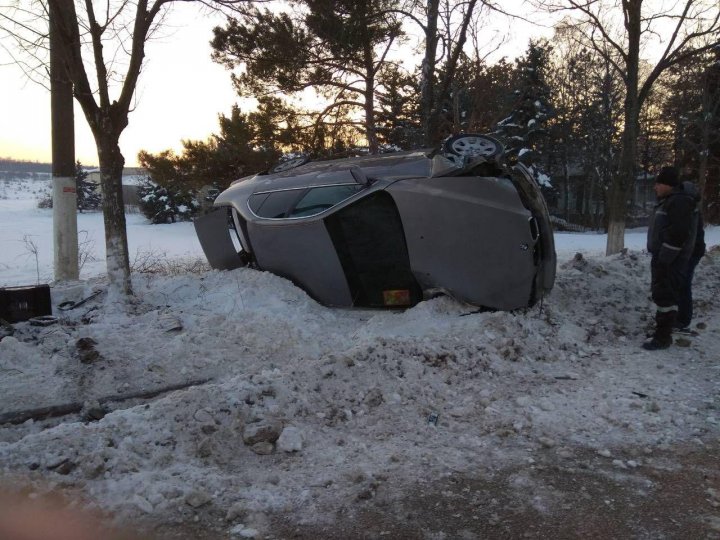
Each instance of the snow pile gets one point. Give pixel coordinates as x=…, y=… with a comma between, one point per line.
x=312, y=411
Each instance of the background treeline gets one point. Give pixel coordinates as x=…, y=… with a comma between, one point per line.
x=558, y=107
x=13, y=168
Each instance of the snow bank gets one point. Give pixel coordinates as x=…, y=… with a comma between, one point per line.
x=312, y=412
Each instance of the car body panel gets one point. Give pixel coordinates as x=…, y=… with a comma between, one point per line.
x=474, y=209
x=303, y=252
x=219, y=249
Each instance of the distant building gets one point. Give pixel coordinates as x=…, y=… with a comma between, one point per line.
x=131, y=178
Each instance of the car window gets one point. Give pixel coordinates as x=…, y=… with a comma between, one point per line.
x=274, y=204
x=319, y=199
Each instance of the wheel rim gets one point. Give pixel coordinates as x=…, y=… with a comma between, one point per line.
x=474, y=146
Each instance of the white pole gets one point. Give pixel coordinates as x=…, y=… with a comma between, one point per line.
x=65, y=234
x=65, y=238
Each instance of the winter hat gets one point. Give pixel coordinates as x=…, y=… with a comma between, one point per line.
x=668, y=176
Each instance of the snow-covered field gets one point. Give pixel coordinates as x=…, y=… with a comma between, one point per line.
x=370, y=407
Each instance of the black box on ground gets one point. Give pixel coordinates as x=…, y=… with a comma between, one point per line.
x=22, y=303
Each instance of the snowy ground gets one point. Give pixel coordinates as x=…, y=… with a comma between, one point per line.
x=372, y=408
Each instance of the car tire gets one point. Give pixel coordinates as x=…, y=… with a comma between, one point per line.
x=288, y=164
x=473, y=145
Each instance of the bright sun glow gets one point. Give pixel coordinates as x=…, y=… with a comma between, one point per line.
x=179, y=96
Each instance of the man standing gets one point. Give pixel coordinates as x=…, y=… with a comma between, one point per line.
x=671, y=238
x=685, y=307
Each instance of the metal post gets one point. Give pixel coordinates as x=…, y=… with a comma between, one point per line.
x=65, y=237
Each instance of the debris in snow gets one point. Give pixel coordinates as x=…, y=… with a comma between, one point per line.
x=290, y=440
x=143, y=504
x=204, y=416
x=244, y=532
x=205, y=448
x=86, y=350
x=169, y=323
x=64, y=466
x=263, y=448
x=262, y=431
x=197, y=498
x=604, y=453
x=235, y=511
x=93, y=411
x=546, y=442
x=653, y=407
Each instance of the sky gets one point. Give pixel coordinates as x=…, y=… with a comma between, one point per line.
x=180, y=94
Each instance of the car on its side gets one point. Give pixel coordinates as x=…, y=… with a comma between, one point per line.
x=390, y=230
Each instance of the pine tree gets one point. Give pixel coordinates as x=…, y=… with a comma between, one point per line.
x=398, y=118
x=162, y=204
x=87, y=196
x=336, y=47
x=524, y=128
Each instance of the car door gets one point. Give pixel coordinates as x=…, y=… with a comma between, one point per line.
x=289, y=238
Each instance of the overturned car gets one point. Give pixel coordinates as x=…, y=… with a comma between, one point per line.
x=393, y=229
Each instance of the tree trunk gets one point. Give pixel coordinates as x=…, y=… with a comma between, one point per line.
x=116, y=246
x=621, y=183
x=625, y=177
x=370, y=128
x=427, y=74
x=590, y=204
x=566, y=180
x=703, y=164
x=443, y=87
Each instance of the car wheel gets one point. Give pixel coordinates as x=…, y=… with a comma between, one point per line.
x=289, y=164
x=473, y=145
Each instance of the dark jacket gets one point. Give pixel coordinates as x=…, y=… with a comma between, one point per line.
x=699, y=247
x=673, y=225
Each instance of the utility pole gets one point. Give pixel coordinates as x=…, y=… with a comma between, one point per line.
x=65, y=236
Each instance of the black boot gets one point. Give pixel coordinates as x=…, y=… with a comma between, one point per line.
x=655, y=343
x=662, y=338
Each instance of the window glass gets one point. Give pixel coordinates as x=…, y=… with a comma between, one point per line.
x=274, y=205
x=256, y=200
x=321, y=198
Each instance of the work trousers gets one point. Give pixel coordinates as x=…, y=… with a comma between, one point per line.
x=685, y=299
x=666, y=286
